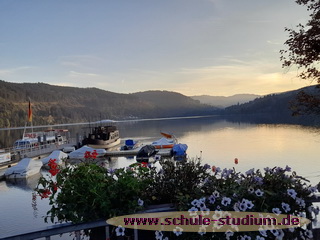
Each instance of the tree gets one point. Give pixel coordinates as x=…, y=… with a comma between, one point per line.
x=304, y=52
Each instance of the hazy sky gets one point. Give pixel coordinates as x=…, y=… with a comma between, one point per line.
x=214, y=47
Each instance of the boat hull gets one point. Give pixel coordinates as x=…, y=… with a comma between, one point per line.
x=104, y=144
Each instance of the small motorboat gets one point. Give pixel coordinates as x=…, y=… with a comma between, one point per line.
x=25, y=168
x=129, y=144
x=56, y=154
x=145, y=153
x=164, y=143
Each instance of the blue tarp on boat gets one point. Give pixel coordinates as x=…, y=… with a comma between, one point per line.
x=130, y=143
x=179, y=149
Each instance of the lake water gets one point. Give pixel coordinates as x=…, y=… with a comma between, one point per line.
x=215, y=140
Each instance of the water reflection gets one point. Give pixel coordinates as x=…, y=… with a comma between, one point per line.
x=219, y=141
x=26, y=184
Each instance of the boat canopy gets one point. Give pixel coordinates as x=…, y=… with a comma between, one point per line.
x=163, y=142
x=146, y=151
x=80, y=153
x=56, y=154
x=130, y=142
x=179, y=149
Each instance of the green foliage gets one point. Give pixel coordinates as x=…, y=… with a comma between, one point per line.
x=177, y=182
x=87, y=192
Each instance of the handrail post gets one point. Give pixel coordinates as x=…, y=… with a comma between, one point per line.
x=135, y=234
x=77, y=235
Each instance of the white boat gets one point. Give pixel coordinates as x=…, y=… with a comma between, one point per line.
x=4, y=156
x=80, y=153
x=35, y=139
x=56, y=154
x=164, y=143
x=103, y=137
x=24, y=169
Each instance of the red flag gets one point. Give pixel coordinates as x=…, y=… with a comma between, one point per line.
x=30, y=113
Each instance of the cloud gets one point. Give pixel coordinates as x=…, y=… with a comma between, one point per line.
x=274, y=43
x=10, y=71
x=259, y=77
x=81, y=61
x=74, y=74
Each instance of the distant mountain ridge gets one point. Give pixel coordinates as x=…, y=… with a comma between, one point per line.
x=223, y=102
x=56, y=104
x=275, y=107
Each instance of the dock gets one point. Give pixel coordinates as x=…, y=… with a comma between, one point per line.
x=123, y=153
x=34, y=153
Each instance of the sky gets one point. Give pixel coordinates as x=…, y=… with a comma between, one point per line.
x=194, y=47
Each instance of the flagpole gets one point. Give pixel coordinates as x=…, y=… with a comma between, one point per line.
x=30, y=116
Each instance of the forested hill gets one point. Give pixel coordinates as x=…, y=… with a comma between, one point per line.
x=274, y=106
x=55, y=104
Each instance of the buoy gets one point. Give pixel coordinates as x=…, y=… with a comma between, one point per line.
x=236, y=161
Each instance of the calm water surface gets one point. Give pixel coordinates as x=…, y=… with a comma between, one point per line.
x=216, y=141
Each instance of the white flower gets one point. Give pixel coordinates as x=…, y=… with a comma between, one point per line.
x=195, y=202
x=205, y=211
x=251, y=190
x=308, y=234
x=313, y=189
x=236, y=207
x=202, y=230
x=260, y=238
x=202, y=205
x=245, y=237
x=276, y=211
x=120, y=231
x=193, y=211
x=259, y=193
x=292, y=193
x=216, y=194
x=243, y=206
x=281, y=234
x=159, y=235
x=263, y=232
x=285, y=207
x=229, y=234
x=178, y=231
x=225, y=201
x=203, y=200
x=217, y=215
x=301, y=202
x=249, y=204
x=274, y=232
x=140, y=202
x=316, y=211
x=212, y=199
x=250, y=172
x=291, y=229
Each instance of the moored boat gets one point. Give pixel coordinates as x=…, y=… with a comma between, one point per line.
x=56, y=154
x=81, y=152
x=129, y=144
x=164, y=143
x=102, y=137
x=24, y=169
x=145, y=153
x=179, y=151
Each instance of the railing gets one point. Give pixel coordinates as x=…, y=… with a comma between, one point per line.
x=33, y=151
x=47, y=233
x=57, y=229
